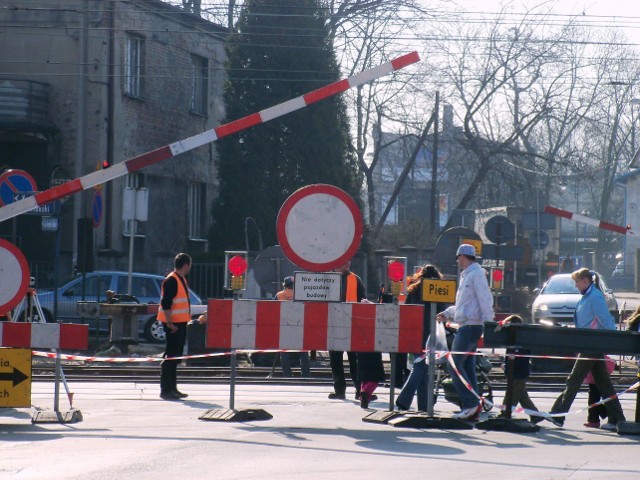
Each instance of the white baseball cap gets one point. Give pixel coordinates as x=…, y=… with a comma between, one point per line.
x=466, y=249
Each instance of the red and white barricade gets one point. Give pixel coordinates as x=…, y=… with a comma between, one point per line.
x=44, y=335
x=355, y=327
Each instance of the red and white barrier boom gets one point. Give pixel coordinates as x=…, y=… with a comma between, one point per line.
x=576, y=217
x=128, y=166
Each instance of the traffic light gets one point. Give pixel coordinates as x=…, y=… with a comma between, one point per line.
x=105, y=164
x=497, y=276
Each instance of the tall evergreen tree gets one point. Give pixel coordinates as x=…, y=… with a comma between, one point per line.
x=281, y=50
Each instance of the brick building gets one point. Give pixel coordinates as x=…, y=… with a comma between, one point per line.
x=83, y=82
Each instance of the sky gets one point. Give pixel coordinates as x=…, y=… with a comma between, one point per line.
x=601, y=13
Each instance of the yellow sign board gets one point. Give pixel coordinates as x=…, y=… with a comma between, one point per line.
x=443, y=291
x=477, y=244
x=15, y=377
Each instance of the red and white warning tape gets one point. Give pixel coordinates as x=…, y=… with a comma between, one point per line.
x=128, y=166
x=576, y=217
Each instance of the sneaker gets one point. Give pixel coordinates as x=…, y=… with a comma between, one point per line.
x=611, y=427
x=592, y=424
x=169, y=396
x=556, y=421
x=180, y=394
x=337, y=396
x=469, y=413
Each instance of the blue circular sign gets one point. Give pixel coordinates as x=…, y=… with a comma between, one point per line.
x=539, y=239
x=13, y=183
x=97, y=208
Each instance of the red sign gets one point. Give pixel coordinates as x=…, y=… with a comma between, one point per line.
x=237, y=265
x=14, y=276
x=395, y=271
x=498, y=274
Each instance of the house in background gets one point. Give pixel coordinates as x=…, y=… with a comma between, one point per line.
x=87, y=84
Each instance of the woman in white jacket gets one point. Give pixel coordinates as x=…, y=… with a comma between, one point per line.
x=473, y=307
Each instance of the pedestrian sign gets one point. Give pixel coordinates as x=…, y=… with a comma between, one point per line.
x=443, y=291
x=15, y=377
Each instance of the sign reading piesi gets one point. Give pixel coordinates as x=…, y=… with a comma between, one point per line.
x=319, y=287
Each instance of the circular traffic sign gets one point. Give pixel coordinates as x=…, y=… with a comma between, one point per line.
x=539, y=239
x=13, y=182
x=14, y=276
x=97, y=207
x=499, y=229
x=319, y=227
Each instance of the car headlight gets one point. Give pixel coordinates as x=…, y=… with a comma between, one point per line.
x=548, y=323
x=543, y=307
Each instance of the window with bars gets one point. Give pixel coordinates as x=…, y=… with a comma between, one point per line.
x=199, y=84
x=133, y=65
x=196, y=206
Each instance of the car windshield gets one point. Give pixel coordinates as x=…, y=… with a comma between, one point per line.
x=560, y=285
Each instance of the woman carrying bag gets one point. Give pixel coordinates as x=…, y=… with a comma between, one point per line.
x=417, y=381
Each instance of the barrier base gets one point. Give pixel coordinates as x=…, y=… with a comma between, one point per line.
x=628, y=428
x=228, y=415
x=49, y=416
x=380, y=416
x=514, y=425
x=419, y=420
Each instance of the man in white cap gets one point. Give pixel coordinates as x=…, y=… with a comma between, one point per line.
x=473, y=307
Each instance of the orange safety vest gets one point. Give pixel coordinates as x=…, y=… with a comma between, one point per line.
x=352, y=288
x=180, y=311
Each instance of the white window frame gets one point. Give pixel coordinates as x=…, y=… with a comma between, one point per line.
x=133, y=65
x=196, y=208
x=199, y=85
x=134, y=180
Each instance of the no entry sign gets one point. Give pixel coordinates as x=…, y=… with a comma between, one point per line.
x=319, y=227
x=14, y=276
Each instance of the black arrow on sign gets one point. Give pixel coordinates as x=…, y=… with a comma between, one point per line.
x=17, y=376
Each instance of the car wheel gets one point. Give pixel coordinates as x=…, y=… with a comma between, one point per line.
x=154, y=330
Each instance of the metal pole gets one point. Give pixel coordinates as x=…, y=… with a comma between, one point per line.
x=538, y=236
x=232, y=383
x=132, y=235
x=432, y=361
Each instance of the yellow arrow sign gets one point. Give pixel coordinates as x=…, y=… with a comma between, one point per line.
x=15, y=377
x=443, y=291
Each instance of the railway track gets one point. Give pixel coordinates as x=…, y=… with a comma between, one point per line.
x=260, y=375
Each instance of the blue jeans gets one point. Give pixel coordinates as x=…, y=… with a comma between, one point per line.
x=466, y=340
x=417, y=382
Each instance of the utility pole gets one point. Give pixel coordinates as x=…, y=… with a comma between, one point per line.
x=434, y=169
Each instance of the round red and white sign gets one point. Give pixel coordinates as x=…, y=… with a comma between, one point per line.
x=319, y=227
x=14, y=276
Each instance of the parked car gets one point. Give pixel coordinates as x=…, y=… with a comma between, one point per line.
x=556, y=301
x=145, y=287
x=618, y=271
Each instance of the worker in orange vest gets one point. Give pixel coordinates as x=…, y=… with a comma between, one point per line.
x=352, y=290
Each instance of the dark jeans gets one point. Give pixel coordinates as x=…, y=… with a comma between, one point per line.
x=466, y=340
x=416, y=383
x=337, y=369
x=603, y=382
x=595, y=413
x=285, y=363
x=521, y=396
x=174, y=348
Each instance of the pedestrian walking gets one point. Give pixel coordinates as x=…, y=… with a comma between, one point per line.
x=473, y=307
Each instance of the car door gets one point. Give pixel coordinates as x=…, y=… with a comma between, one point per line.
x=95, y=286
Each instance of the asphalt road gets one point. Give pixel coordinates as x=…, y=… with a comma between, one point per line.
x=127, y=432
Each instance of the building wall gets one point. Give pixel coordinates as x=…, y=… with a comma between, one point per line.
x=45, y=44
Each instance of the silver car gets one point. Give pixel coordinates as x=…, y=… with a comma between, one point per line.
x=145, y=287
x=557, y=299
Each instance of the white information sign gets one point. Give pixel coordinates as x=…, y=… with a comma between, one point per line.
x=318, y=287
